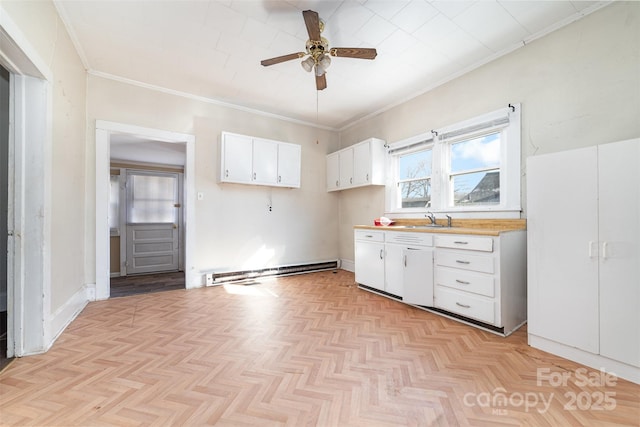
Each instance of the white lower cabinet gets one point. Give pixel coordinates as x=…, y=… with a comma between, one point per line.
x=473, y=278
x=482, y=278
x=398, y=263
x=369, y=253
x=584, y=255
x=409, y=266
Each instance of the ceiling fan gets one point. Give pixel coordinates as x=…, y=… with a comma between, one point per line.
x=318, y=51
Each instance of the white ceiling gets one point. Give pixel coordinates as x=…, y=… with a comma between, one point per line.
x=213, y=48
x=134, y=148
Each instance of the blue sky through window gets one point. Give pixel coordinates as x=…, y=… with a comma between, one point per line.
x=477, y=153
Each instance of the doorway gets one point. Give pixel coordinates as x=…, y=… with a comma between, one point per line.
x=146, y=215
x=143, y=144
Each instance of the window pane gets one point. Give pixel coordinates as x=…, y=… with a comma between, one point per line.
x=153, y=199
x=483, y=152
x=415, y=194
x=114, y=202
x=480, y=188
x=415, y=165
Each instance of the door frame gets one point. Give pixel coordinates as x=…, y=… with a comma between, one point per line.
x=29, y=324
x=103, y=131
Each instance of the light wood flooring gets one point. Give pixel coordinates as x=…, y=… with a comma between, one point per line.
x=307, y=350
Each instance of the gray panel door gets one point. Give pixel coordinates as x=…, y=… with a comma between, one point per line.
x=153, y=221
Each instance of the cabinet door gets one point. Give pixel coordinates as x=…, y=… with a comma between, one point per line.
x=619, y=210
x=362, y=163
x=370, y=264
x=265, y=162
x=236, y=158
x=562, y=241
x=418, y=276
x=394, y=270
x=333, y=171
x=346, y=168
x=289, y=165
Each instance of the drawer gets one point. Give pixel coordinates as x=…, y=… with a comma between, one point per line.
x=369, y=235
x=484, y=263
x=472, y=243
x=465, y=304
x=408, y=238
x=469, y=281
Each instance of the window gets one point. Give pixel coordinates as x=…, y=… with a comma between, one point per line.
x=472, y=166
x=414, y=183
x=474, y=174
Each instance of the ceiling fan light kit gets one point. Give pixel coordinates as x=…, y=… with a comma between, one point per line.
x=318, y=52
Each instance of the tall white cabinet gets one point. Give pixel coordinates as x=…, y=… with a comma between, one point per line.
x=583, y=221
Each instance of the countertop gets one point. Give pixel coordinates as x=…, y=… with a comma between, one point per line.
x=480, y=227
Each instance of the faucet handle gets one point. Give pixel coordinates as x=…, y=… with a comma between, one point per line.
x=448, y=220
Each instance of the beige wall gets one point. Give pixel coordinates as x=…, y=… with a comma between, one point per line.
x=578, y=86
x=234, y=228
x=41, y=25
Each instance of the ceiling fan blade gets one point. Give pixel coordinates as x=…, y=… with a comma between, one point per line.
x=354, y=52
x=283, y=58
x=312, y=21
x=321, y=82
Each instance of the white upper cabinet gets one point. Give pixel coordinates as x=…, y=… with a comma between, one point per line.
x=289, y=165
x=333, y=171
x=257, y=161
x=265, y=162
x=236, y=155
x=356, y=166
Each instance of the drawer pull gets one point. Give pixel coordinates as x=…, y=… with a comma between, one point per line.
x=368, y=236
x=463, y=262
x=381, y=251
x=460, y=242
x=462, y=282
x=463, y=305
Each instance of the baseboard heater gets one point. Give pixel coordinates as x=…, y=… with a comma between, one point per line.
x=239, y=276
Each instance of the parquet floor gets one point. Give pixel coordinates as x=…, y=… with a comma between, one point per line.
x=297, y=351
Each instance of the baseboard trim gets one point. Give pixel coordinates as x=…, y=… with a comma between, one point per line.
x=347, y=264
x=57, y=322
x=595, y=361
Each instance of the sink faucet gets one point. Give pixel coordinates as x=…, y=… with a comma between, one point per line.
x=431, y=217
x=448, y=220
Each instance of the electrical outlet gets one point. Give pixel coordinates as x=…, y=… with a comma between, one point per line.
x=208, y=279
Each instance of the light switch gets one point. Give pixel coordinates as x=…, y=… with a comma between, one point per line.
x=200, y=195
